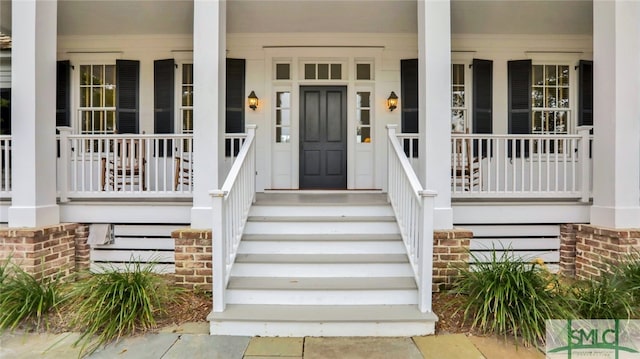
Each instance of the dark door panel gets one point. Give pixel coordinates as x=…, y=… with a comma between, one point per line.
x=323, y=137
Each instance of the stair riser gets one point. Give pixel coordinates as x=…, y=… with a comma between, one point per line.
x=321, y=247
x=325, y=297
x=322, y=329
x=321, y=212
x=327, y=228
x=350, y=270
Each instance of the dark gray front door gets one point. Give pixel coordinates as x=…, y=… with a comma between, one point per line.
x=323, y=137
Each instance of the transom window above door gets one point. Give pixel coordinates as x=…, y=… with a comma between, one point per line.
x=323, y=71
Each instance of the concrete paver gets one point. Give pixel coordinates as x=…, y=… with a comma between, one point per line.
x=30, y=345
x=278, y=347
x=148, y=346
x=360, y=348
x=452, y=346
x=201, y=346
x=499, y=348
x=187, y=328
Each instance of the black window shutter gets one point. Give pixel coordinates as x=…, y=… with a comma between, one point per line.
x=585, y=93
x=482, y=100
x=409, y=95
x=519, y=102
x=163, y=99
x=409, y=100
x=63, y=93
x=235, y=100
x=127, y=95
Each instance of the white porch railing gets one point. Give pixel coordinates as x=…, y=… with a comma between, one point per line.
x=131, y=165
x=5, y=165
x=231, y=205
x=413, y=208
x=516, y=166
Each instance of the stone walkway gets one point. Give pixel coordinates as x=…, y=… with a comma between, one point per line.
x=192, y=341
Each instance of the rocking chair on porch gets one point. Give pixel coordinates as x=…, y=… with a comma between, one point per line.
x=183, y=173
x=465, y=169
x=125, y=169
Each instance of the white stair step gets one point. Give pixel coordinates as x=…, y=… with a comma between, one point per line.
x=322, y=237
x=316, y=228
x=322, y=213
x=321, y=247
x=308, y=320
x=321, y=258
x=336, y=283
x=324, y=270
x=322, y=297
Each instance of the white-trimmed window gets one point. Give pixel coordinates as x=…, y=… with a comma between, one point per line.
x=550, y=99
x=283, y=117
x=97, y=109
x=186, y=98
x=323, y=71
x=363, y=117
x=459, y=121
x=364, y=71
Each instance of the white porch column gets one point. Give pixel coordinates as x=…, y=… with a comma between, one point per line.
x=209, y=63
x=616, y=145
x=33, y=114
x=434, y=88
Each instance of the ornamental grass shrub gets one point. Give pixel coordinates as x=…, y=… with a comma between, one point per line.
x=509, y=296
x=23, y=297
x=116, y=302
x=606, y=297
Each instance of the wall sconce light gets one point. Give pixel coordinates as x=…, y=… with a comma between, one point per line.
x=253, y=101
x=392, y=101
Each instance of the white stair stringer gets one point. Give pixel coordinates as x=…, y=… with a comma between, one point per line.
x=318, y=268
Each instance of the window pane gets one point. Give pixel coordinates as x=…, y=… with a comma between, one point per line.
x=111, y=121
x=109, y=97
x=457, y=121
x=187, y=121
x=336, y=71
x=457, y=96
x=109, y=75
x=457, y=74
x=364, y=117
x=283, y=117
x=551, y=74
x=282, y=134
x=187, y=96
x=85, y=97
x=363, y=71
x=537, y=122
x=85, y=75
x=323, y=71
x=551, y=97
x=283, y=99
x=563, y=97
x=364, y=135
x=538, y=76
x=98, y=75
x=363, y=99
x=187, y=74
x=309, y=71
x=282, y=72
x=563, y=75
x=536, y=97
x=97, y=97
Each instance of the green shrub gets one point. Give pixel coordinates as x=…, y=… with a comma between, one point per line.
x=506, y=295
x=114, y=303
x=602, y=298
x=22, y=297
x=628, y=274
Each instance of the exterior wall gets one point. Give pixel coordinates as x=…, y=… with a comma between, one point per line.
x=46, y=252
x=385, y=50
x=193, y=259
x=588, y=251
x=450, y=253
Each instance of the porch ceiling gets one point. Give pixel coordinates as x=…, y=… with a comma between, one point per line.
x=119, y=17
